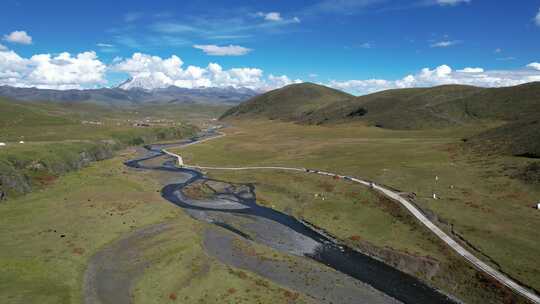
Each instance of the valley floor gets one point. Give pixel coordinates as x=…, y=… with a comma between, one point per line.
x=111, y=221
x=107, y=216
x=487, y=210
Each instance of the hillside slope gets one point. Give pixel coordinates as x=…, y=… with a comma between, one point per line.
x=291, y=103
x=416, y=108
x=518, y=108
x=437, y=107
x=521, y=138
x=401, y=109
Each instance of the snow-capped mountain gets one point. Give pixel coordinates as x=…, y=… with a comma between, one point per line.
x=141, y=82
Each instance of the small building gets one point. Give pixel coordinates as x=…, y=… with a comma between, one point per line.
x=2, y=144
x=538, y=206
x=21, y=142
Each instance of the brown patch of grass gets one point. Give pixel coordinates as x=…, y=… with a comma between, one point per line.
x=46, y=179
x=197, y=190
x=78, y=251
x=355, y=238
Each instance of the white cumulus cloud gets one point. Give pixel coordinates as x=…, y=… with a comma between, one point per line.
x=62, y=71
x=18, y=37
x=228, y=50
x=534, y=65
x=85, y=70
x=152, y=72
x=273, y=16
x=442, y=75
x=537, y=18
x=279, y=81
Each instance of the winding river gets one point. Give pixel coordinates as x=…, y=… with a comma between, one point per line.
x=235, y=209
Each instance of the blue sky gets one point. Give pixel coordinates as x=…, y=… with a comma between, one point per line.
x=330, y=42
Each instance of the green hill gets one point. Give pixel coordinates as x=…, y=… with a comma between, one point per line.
x=518, y=108
x=401, y=109
x=292, y=102
x=417, y=108
x=521, y=138
x=437, y=107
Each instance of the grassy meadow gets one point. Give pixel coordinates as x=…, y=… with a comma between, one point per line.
x=48, y=237
x=488, y=209
x=58, y=138
x=76, y=208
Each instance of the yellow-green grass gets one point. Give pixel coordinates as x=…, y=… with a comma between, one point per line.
x=72, y=131
x=48, y=121
x=183, y=272
x=57, y=139
x=491, y=211
x=29, y=166
x=93, y=208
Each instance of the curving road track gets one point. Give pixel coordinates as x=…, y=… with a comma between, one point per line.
x=476, y=262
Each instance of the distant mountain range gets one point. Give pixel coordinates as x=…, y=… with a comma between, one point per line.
x=133, y=95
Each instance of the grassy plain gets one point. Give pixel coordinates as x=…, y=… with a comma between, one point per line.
x=488, y=209
x=48, y=236
x=62, y=137
x=39, y=122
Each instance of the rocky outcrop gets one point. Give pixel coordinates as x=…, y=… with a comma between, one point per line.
x=13, y=181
